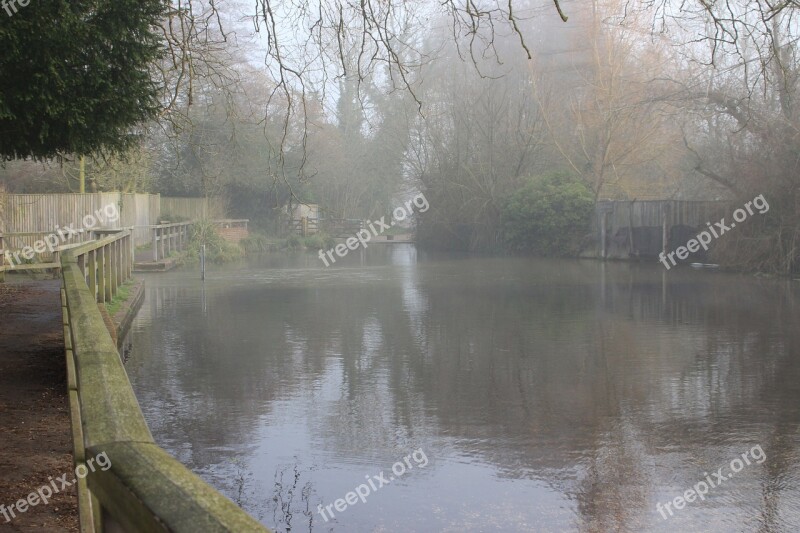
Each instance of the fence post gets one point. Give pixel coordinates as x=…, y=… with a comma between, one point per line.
x=93, y=273
x=115, y=263
x=664, y=230
x=129, y=251
x=603, y=218
x=155, y=244
x=107, y=273
x=101, y=277
x=56, y=260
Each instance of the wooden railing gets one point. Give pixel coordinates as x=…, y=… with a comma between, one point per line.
x=140, y=487
x=105, y=263
x=51, y=258
x=304, y=226
x=168, y=238
x=335, y=227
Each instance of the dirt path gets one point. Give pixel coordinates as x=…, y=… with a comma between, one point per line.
x=35, y=441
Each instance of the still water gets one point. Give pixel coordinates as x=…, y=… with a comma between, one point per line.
x=544, y=395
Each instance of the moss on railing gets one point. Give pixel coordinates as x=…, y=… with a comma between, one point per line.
x=144, y=489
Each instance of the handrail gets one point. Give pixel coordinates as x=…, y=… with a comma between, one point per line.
x=84, y=247
x=35, y=233
x=170, y=225
x=143, y=488
x=167, y=237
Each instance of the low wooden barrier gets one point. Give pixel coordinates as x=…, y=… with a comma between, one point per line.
x=51, y=258
x=167, y=238
x=143, y=488
x=335, y=227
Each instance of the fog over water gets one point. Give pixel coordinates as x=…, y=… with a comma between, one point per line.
x=547, y=395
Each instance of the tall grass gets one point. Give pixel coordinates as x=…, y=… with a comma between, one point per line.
x=218, y=250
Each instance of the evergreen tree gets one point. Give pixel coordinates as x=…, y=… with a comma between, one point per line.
x=75, y=75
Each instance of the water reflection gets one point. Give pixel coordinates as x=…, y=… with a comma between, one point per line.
x=548, y=395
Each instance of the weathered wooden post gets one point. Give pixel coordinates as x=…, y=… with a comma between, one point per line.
x=126, y=250
x=101, y=274
x=604, y=209
x=603, y=218
x=2, y=260
x=155, y=244
x=108, y=294
x=93, y=273
x=115, y=265
x=203, y=262
x=664, y=230
x=132, y=254
x=56, y=260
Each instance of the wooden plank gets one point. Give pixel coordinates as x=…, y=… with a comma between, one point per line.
x=108, y=277
x=86, y=517
x=93, y=272
x=115, y=264
x=72, y=379
x=31, y=266
x=78, y=449
x=108, y=408
x=148, y=490
x=101, y=274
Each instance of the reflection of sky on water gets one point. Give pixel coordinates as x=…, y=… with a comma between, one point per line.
x=548, y=395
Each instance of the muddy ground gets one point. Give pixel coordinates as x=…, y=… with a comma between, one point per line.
x=35, y=441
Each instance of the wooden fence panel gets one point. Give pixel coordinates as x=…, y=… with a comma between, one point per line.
x=185, y=208
x=44, y=214
x=622, y=229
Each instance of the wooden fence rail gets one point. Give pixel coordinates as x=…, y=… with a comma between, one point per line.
x=131, y=484
x=26, y=213
x=105, y=263
x=13, y=260
x=168, y=238
x=335, y=227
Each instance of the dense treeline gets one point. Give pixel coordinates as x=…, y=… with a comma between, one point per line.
x=509, y=119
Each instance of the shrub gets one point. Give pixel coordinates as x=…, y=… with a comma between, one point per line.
x=218, y=250
x=548, y=216
x=293, y=242
x=256, y=243
x=319, y=241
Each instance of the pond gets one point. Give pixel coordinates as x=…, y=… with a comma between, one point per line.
x=463, y=393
